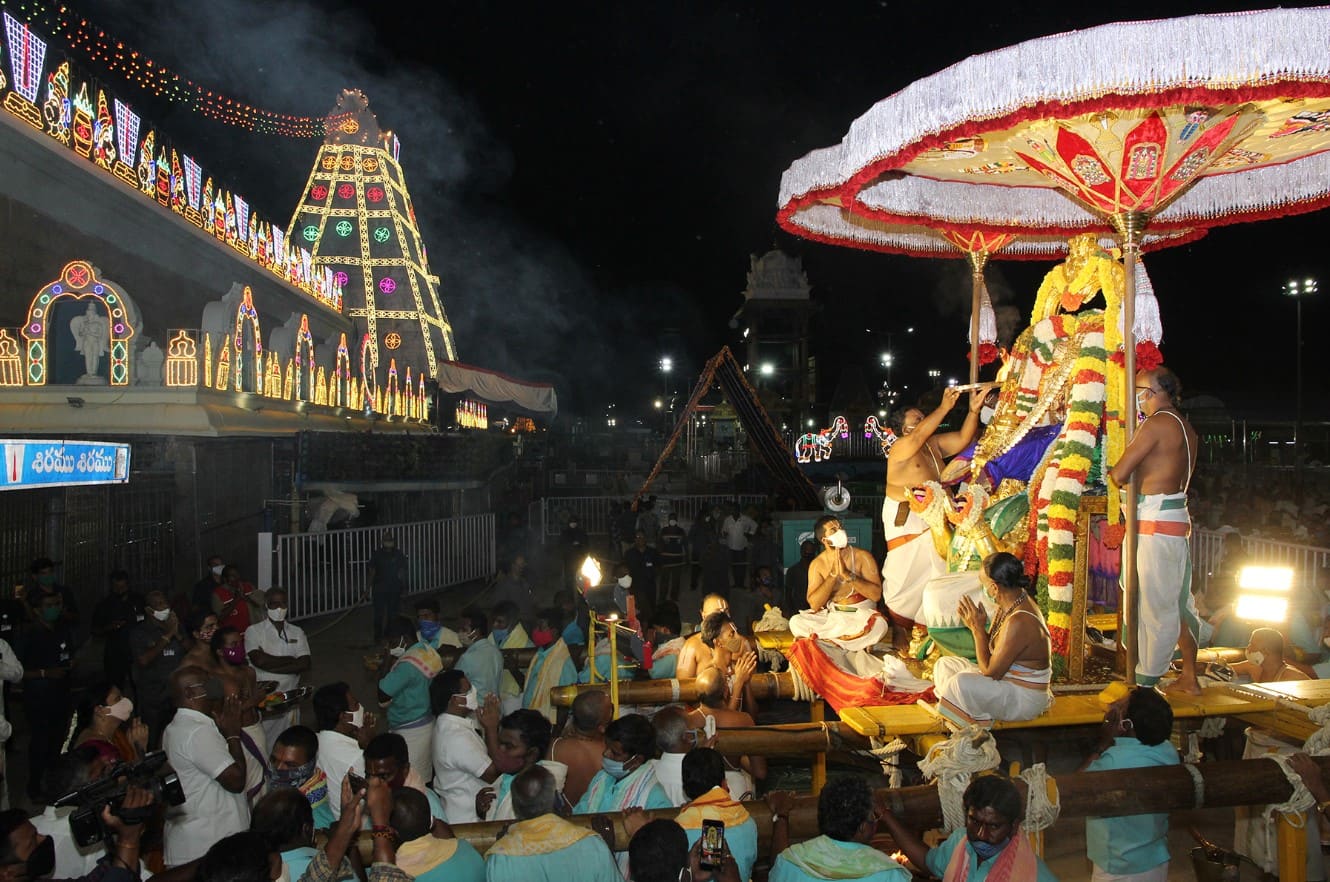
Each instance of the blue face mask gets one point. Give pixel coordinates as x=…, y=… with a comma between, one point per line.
x=501, y=634
x=614, y=768
x=986, y=850
x=429, y=630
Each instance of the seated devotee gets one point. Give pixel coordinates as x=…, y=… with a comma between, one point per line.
x=426, y=848
x=658, y=852
x=552, y=665
x=294, y=763
x=1135, y=734
x=582, y=745
x=482, y=662
x=695, y=654
x=404, y=690
x=713, y=700
x=991, y=845
x=847, y=814
x=543, y=847
x=627, y=777
x=709, y=800
x=674, y=738
x=519, y=741
x=429, y=628
x=1265, y=661
x=387, y=758
x=284, y=819
x=345, y=728
x=663, y=634
x=1011, y=680
x=508, y=633
x=462, y=763
x=844, y=588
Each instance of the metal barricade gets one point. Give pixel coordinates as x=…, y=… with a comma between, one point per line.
x=327, y=572
x=1309, y=562
x=594, y=513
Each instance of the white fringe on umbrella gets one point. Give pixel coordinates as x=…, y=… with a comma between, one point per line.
x=1148, y=325
x=987, y=320
x=1127, y=58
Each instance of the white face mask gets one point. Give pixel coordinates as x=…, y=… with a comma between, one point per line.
x=277, y=615
x=122, y=710
x=625, y=581
x=161, y=615
x=1257, y=658
x=357, y=716
x=986, y=414
x=397, y=651
x=839, y=539
x=217, y=570
x=471, y=700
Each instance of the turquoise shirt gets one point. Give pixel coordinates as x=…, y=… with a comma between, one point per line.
x=785, y=871
x=466, y=865
x=567, y=676
x=940, y=855
x=664, y=668
x=587, y=860
x=409, y=690
x=573, y=635
x=611, y=797
x=297, y=859
x=1129, y=844
x=742, y=841
x=323, y=817
x=483, y=665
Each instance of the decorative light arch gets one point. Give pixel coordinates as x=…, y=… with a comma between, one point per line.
x=245, y=312
x=369, y=363
x=342, y=375
x=304, y=362
x=78, y=281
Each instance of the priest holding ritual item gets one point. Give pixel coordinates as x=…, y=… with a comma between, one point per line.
x=843, y=592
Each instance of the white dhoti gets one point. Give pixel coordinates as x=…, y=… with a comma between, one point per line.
x=1163, y=567
x=967, y=697
x=419, y=737
x=911, y=561
x=853, y=626
x=1256, y=837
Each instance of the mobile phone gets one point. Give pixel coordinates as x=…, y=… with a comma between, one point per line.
x=357, y=782
x=713, y=844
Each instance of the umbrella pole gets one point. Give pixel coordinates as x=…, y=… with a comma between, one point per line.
x=978, y=260
x=1130, y=226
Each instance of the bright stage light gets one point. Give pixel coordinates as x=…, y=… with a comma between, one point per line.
x=1263, y=578
x=768, y=369
x=1262, y=608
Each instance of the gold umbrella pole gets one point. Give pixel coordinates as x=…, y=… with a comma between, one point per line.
x=978, y=260
x=1130, y=226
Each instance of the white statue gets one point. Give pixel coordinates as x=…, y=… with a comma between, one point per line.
x=91, y=335
x=148, y=365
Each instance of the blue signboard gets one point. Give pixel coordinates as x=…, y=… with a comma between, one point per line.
x=63, y=463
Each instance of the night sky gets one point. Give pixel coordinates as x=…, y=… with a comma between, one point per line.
x=587, y=175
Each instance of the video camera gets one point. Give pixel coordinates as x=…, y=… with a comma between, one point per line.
x=150, y=773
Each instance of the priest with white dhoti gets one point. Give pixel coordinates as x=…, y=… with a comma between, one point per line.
x=843, y=592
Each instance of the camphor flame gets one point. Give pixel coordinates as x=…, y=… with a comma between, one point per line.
x=591, y=572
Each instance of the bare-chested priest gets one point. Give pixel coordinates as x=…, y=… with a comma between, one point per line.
x=918, y=455
x=843, y=592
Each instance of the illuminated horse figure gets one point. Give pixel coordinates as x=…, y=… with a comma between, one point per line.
x=883, y=434
x=816, y=446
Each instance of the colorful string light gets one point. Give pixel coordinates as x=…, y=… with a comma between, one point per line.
x=115, y=56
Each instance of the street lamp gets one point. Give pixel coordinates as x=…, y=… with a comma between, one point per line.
x=666, y=364
x=1298, y=289
x=767, y=369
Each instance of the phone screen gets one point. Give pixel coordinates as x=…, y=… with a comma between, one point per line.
x=713, y=844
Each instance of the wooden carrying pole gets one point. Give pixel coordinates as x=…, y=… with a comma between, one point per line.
x=766, y=687
x=978, y=260
x=1117, y=792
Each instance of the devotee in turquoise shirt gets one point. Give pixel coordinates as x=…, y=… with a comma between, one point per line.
x=939, y=856
x=837, y=856
x=1129, y=843
x=664, y=668
x=740, y=828
x=567, y=675
x=549, y=849
x=483, y=665
x=604, y=794
x=297, y=859
x=408, y=687
x=427, y=860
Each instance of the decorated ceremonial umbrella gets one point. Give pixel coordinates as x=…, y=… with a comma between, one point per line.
x=1182, y=123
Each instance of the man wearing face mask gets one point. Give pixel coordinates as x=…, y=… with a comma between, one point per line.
x=843, y=592
x=42, y=583
x=627, y=778
x=674, y=738
x=27, y=855
x=461, y=761
x=916, y=456
x=1159, y=463
x=294, y=763
x=201, y=596
x=991, y=845
x=345, y=728
x=508, y=633
x=158, y=647
x=279, y=651
x=516, y=742
x=1265, y=659
x=387, y=574
x=543, y=847
x=552, y=665
x=404, y=691
x=428, y=627
x=113, y=619
x=46, y=649
x=575, y=544
x=482, y=662
x=203, y=746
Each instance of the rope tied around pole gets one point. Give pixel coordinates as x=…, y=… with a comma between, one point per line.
x=1197, y=784
x=1294, y=809
x=953, y=762
x=802, y=691
x=888, y=754
x=1319, y=742
x=1040, y=811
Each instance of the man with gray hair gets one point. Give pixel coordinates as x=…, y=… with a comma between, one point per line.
x=674, y=738
x=544, y=847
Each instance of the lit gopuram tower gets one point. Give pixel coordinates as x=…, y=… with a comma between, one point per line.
x=356, y=218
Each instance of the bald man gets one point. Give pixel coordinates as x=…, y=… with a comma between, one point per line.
x=426, y=850
x=581, y=747
x=202, y=743
x=714, y=693
x=1265, y=659
x=695, y=654
x=543, y=847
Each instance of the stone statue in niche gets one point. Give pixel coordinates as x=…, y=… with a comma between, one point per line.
x=149, y=365
x=91, y=337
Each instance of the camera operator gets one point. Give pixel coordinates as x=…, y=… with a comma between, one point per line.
x=26, y=855
x=73, y=770
x=203, y=745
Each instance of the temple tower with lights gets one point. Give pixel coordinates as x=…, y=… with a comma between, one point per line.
x=356, y=218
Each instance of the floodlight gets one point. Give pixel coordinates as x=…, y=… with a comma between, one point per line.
x=1262, y=608
x=1265, y=578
